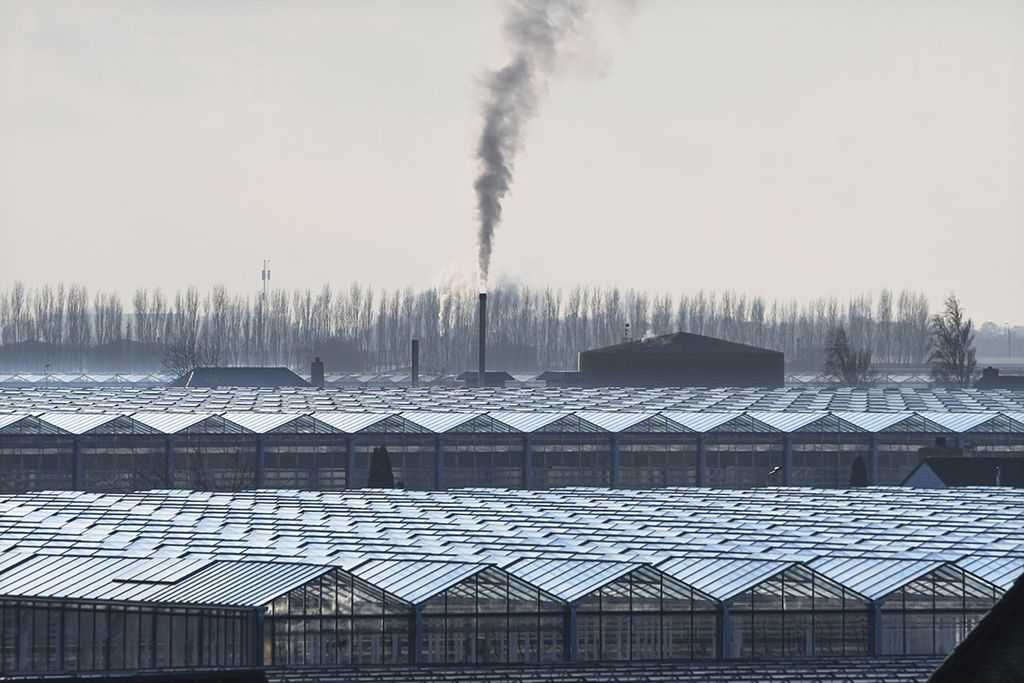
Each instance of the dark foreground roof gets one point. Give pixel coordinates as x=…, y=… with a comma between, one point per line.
x=240, y=377
x=682, y=342
x=994, y=650
x=971, y=471
x=852, y=670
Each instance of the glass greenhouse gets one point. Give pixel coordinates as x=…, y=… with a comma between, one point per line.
x=124, y=440
x=174, y=580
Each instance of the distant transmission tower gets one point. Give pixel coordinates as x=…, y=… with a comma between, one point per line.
x=265, y=276
x=264, y=302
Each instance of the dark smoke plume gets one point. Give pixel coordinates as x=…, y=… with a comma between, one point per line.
x=535, y=30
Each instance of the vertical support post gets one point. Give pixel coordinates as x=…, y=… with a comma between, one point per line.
x=61, y=617
x=702, y=461
x=787, y=462
x=77, y=478
x=261, y=462
x=572, y=635
x=169, y=462
x=350, y=462
x=873, y=474
x=418, y=635
x=257, y=657
x=528, y=462
x=876, y=628
x=615, y=474
x=724, y=633
x=439, y=463
x=960, y=441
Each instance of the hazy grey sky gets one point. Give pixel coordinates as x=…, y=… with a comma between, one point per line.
x=791, y=148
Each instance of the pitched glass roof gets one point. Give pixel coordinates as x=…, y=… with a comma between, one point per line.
x=565, y=541
x=722, y=578
x=396, y=399
x=569, y=580
x=415, y=580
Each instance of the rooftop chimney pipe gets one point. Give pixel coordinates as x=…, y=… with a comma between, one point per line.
x=483, y=339
x=415, y=362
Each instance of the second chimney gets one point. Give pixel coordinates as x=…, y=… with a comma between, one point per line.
x=481, y=374
x=316, y=373
x=415, y=362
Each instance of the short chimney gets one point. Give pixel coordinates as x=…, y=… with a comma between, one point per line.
x=316, y=373
x=415, y=362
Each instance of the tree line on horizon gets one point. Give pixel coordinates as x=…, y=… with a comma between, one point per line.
x=62, y=328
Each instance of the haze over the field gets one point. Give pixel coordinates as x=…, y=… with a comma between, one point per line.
x=788, y=148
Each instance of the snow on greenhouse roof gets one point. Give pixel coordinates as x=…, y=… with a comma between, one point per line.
x=189, y=547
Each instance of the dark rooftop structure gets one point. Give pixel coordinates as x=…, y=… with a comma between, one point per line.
x=991, y=379
x=679, y=360
x=947, y=472
x=240, y=377
x=494, y=378
x=993, y=651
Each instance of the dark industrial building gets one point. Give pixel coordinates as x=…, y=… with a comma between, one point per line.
x=947, y=472
x=240, y=377
x=991, y=379
x=681, y=360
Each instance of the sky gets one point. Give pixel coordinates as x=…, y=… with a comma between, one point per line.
x=793, y=149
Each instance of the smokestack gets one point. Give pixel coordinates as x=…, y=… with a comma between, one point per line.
x=483, y=339
x=415, y=362
x=316, y=373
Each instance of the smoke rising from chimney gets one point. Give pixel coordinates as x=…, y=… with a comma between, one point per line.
x=535, y=30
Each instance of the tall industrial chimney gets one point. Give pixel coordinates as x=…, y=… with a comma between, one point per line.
x=483, y=340
x=415, y=362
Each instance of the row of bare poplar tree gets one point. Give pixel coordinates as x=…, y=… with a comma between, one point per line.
x=363, y=329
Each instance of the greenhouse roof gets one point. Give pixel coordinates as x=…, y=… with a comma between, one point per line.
x=75, y=416
x=397, y=399
x=210, y=583
x=208, y=548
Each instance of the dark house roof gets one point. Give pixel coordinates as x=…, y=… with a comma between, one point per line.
x=994, y=649
x=684, y=343
x=240, y=377
x=967, y=471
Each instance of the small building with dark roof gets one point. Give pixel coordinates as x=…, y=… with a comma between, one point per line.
x=492, y=378
x=682, y=359
x=240, y=377
x=948, y=472
x=991, y=379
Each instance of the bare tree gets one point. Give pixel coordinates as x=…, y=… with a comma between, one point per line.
x=952, y=358
x=847, y=366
